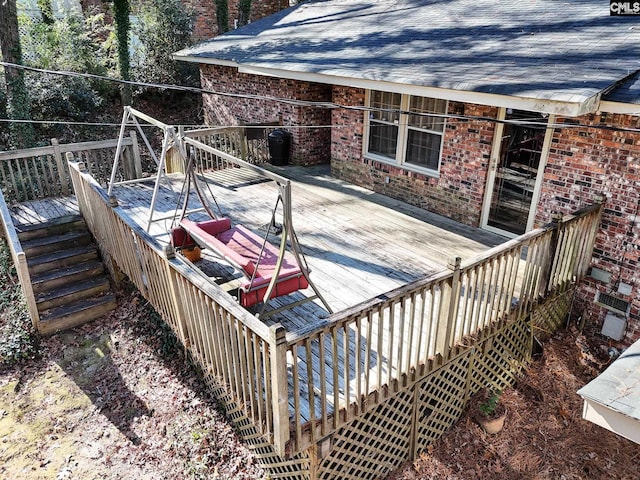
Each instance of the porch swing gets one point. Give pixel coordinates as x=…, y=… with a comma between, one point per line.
x=267, y=271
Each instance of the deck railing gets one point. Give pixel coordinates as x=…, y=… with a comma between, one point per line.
x=19, y=261
x=249, y=143
x=232, y=346
x=360, y=357
x=355, y=359
x=42, y=172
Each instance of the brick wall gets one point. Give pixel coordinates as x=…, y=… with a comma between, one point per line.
x=309, y=145
x=585, y=162
x=206, y=20
x=457, y=193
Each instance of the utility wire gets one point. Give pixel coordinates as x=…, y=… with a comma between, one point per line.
x=327, y=105
x=146, y=125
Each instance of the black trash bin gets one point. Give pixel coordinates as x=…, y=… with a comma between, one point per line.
x=279, y=146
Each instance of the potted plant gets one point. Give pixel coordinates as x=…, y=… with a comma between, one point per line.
x=490, y=413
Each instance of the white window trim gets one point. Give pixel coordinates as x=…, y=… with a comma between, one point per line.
x=401, y=145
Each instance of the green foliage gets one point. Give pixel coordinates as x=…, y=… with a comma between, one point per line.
x=17, y=339
x=68, y=98
x=244, y=12
x=4, y=126
x=490, y=403
x=163, y=27
x=121, y=11
x=46, y=10
x=73, y=43
x=21, y=134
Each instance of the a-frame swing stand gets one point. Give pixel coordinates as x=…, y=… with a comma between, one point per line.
x=171, y=139
x=268, y=271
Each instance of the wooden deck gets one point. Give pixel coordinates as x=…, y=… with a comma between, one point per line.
x=358, y=244
x=40, y=211
x=408, y=341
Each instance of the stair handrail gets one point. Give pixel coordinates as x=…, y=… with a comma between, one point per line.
x=20, y=261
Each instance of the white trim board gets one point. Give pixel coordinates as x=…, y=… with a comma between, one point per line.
x=612, y=420
x=580, y=107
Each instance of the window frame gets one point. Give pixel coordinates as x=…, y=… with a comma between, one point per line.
x=400, y=159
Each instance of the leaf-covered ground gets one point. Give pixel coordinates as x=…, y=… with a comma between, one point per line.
x=111, y=400
x=544, y=436
x=117, y=399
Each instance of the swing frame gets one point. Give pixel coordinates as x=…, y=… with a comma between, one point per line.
x=181, y=140
x=287, y=233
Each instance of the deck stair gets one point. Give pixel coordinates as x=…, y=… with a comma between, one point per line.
x=69, y=281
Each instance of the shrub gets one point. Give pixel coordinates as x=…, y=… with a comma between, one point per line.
x=73, y=43
x=162, y=28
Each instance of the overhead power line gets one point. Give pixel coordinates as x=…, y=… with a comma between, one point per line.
x=534, y=123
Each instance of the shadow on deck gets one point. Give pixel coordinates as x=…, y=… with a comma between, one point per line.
x=413, y=334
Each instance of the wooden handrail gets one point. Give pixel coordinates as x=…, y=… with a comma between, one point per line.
x=20, y=262
x=232, y=346
x=420, y=325
x=355, y=359
x=41, y=172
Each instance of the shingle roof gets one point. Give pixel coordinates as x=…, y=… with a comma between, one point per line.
x=618, y=387
x=627, y=91
x=560, y=50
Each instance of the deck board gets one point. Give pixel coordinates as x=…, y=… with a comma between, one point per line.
x=40, y=211
x=358, y=245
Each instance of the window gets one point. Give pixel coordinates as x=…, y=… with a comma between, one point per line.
x=412, y=138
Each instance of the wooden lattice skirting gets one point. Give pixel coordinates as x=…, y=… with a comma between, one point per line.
x=381, y=440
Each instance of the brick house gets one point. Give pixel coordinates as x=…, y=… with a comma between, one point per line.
x=208, y=25
x=495, y=114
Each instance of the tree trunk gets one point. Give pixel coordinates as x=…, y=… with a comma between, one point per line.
x=22, y=135
x=121, y=16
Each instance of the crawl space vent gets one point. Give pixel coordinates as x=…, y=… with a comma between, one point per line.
x=612, y=303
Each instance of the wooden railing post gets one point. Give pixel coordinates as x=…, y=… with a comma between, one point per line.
x=62, y=172
x=137, y=163
x=20, y=261
x=178, y=308
x=600, y=200
x=27, y=289
x=449, y=310
x=279, y=388
x=552, y=258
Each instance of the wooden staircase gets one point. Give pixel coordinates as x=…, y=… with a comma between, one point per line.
x=69, y=281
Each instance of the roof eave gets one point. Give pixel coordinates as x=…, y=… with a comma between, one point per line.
x=619, y=107
x=611, y=419
x=205, y=60
x=549, y=106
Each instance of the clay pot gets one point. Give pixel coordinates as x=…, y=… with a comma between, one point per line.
x=492, y=425
x=193, y=254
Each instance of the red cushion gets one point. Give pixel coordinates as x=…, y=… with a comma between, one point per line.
x=214, y=227
x=243, y=247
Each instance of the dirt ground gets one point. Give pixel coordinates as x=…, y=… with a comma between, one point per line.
x=544, y=436
x=117, y=399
